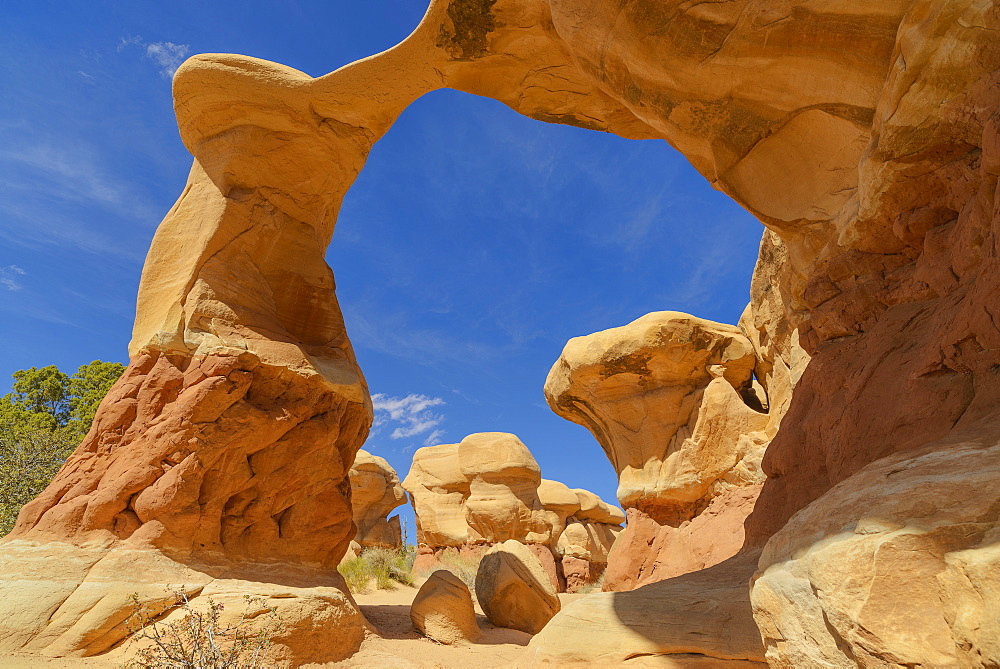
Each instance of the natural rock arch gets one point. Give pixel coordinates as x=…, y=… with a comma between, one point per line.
x=864, y=135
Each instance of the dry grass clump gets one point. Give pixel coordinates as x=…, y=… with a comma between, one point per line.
x=384, y=566
x=464, y=567
x=596, y=586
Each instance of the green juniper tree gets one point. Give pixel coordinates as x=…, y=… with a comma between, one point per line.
x=42, y=420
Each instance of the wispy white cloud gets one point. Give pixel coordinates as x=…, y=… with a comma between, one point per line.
x=167, y=55
x=9, y=276
x=394, y=332
x=47, y=186
x=434, y=438
x=132, y=40
x=702, y=282
x=79, y=178
x=410, y=416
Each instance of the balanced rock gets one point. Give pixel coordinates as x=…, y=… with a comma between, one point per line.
x=438, y=490
x=513, y=588
x=375, y=491
x=488, y=489
x=666, y=398
x=443, y=609
x=503, y=489
x=586, y=541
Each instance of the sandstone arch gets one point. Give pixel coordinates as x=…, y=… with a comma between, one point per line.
x=864, y=135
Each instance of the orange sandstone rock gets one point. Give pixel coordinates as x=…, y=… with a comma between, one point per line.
x=863, y=135
x=666, y=396
x=375, y=492
x=443, y=610
x=488, y=489
x=514, y=590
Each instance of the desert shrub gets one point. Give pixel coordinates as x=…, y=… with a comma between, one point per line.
x=463, y=566
x=386, y=566
x=200, y=640
x=389, y=566
x=357, y=572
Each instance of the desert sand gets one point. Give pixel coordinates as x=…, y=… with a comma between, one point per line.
x=400, y=645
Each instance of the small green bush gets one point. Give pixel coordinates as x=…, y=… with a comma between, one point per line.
x=357, y=572
x=387, y=566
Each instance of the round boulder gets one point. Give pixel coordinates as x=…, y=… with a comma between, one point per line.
x=443, y=610
x=513, y=589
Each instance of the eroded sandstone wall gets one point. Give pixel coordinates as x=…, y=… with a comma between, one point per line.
x=864, y=136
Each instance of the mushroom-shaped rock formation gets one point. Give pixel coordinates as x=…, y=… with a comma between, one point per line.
x=443, y=609
x=558, y=504
x=587, y=538
x=503, y=488
x=375, y=491
x=438, y=491
x=513, y=588
x=488, y=489
x=665, y=397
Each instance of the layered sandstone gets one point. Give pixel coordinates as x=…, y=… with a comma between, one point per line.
x=488, y=489
x=899, y=564
x=874, y=166
x=219, y=462
x=864, y=135
x=375, y=492
x=668, y=398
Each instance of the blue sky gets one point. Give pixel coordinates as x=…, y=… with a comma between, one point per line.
x=473, y=245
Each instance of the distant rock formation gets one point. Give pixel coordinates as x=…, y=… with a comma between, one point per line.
x=488, y=489
x=375, y=492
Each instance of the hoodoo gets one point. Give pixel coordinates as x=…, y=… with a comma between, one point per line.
x=488, y=489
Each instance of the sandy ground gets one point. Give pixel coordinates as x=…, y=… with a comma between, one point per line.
x=397, y=643
x=400, y=645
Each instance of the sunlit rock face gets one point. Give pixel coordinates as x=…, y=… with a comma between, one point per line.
x=375, y=492
x=488, y=489
x=667, y=397
x=513, y=588
x=864, y=135
x=897, y=565
x=221, y=458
